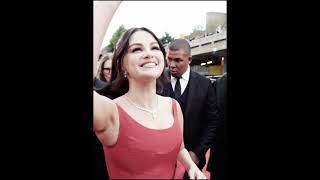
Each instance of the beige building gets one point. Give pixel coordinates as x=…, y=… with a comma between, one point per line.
x=215, y=22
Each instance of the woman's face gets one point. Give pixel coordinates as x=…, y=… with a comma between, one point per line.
x=144, y=59
x=107, y=70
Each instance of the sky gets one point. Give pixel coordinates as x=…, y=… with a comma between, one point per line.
x=175, y=17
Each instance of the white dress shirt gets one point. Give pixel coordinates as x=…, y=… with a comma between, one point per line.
x=183, y=80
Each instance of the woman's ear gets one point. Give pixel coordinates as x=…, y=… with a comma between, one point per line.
x=190, y=59
x=124, y=71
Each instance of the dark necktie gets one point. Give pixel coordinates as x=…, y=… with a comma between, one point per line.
x=177, y=89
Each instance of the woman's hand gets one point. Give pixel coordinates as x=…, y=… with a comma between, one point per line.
x=195, y=173
x=103, y=13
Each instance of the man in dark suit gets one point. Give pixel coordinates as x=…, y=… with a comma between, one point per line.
x=217, y=164
x=196, y=97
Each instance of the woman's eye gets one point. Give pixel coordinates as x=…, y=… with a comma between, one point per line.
x=136, y=49
x=155, y=48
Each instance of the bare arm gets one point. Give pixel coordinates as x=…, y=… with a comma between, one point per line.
x=184, y=156
x=105, y=119
x=103, y=13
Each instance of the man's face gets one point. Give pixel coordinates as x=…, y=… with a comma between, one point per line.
x=178, y=62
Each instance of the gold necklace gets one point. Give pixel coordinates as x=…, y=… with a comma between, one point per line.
x=153, y=113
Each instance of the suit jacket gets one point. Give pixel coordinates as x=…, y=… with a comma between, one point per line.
x=200, y=117
x=218, y=156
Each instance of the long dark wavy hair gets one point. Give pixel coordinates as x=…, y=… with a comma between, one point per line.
x=119, y=84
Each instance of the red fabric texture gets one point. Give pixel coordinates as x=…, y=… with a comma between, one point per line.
x=144, y=153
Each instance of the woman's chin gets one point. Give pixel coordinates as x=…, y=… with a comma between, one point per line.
x=148, y=76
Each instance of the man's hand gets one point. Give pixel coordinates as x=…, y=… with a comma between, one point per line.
x=194, y=157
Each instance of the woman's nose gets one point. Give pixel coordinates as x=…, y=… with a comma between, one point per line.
x=148, y=54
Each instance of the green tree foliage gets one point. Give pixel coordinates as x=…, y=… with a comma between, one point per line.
x=115, y=37
x=166, y=38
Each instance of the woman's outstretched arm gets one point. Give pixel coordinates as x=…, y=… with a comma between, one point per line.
x=103, y=13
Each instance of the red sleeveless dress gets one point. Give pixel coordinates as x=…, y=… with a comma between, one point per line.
x=144, y=153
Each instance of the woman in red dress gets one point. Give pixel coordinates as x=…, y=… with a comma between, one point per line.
x=141, y=132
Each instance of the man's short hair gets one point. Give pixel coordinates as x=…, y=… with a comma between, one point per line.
x=180, y=44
